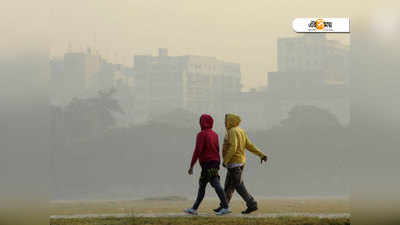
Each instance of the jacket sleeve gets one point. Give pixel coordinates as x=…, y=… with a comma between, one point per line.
x=225, y=145
x=232, y=146
x=198, y=149
x=252, y=148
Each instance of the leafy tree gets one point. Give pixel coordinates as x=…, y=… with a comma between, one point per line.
x=91, y=116
x=310, y=117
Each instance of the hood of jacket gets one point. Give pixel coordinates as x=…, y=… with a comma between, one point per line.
x=206, y=122
x=232, y=120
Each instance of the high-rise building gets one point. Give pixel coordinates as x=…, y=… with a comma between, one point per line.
x=195, y=83
x=312, y=70
x=76, y=75
x=310, y=60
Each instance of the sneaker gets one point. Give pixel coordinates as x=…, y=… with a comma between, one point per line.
x=223, y=211
x=217, y=209
x=190, y=211
x=250, y=210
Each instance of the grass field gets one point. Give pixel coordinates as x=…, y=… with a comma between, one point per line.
x=172, y=205
x=202, y=221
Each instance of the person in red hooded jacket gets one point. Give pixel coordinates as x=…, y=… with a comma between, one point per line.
x=207, y=152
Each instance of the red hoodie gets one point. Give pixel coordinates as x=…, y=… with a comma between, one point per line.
x=207, y=146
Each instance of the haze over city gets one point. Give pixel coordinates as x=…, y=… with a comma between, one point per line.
x=101, y=100
x=232, y=31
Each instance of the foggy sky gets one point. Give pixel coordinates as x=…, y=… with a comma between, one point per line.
x=229, y=30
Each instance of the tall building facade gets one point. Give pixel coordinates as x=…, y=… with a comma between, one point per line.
x=75, y=75
x=314, y=53
x=312, y=70
x=84, y=74
x=198, y=84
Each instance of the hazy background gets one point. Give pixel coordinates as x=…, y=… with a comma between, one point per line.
x=324, y=158
x=231, y=30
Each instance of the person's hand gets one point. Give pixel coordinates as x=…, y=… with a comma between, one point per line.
x=264, y=158
x=190, y=171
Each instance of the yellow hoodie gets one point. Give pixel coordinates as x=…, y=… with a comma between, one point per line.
x=236, y=141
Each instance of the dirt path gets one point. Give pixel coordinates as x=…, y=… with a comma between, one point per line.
x=153, y=215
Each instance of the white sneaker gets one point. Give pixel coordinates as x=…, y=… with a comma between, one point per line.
x=190, y=211
x=223, y=211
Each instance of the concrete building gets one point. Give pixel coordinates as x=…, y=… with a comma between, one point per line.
x=75, y=75
x=83, y=75
x=312, y=70
x=329, y=59
x=250, y=106
x=195, y=83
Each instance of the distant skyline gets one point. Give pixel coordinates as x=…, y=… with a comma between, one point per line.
x=234, y=31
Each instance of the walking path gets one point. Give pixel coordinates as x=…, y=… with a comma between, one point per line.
x=154, y=215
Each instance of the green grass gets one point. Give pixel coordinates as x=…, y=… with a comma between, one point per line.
x=201, y=221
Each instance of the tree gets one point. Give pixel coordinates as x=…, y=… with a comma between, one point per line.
x=91, y=116
x=310, y=117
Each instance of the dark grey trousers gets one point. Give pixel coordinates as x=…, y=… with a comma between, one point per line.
x=234, y=182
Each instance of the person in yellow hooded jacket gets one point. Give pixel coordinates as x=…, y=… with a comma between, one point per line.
x=234, y=159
